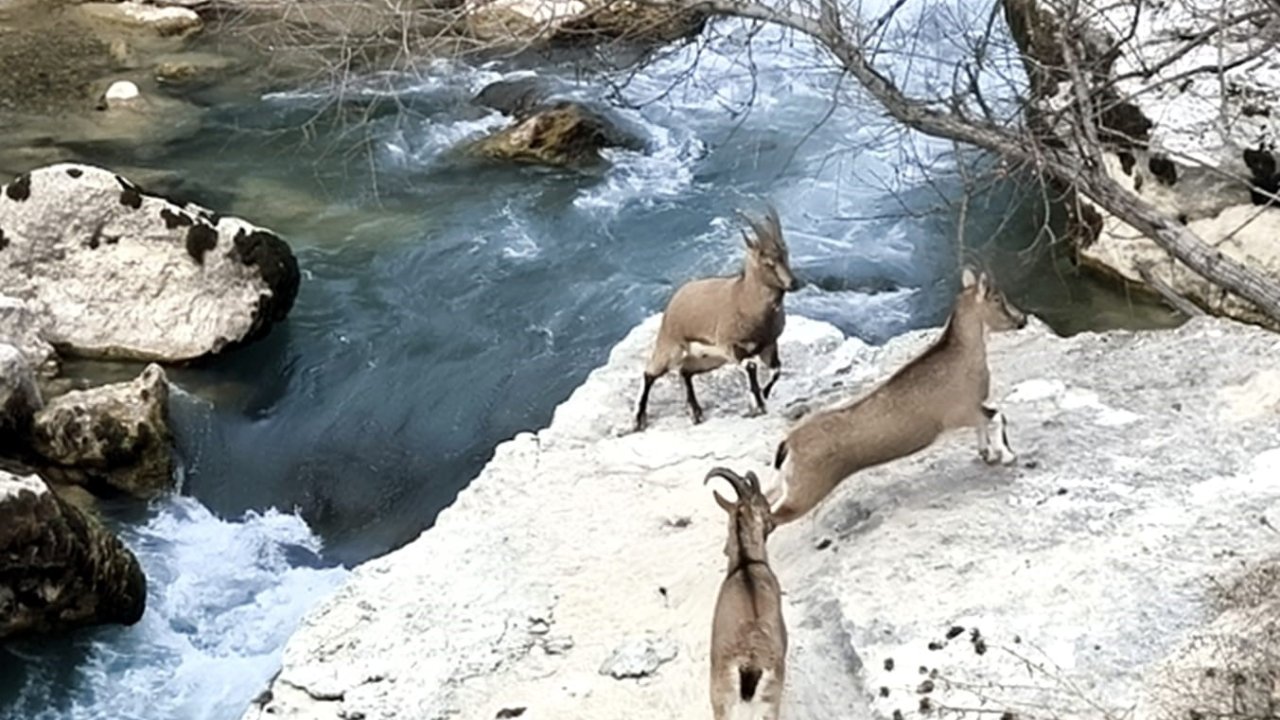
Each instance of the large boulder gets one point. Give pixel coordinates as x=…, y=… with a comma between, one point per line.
x=114, y=435
x=1198, y=145
x=525, y=22
x=560, y=134
x=934, y=582
x=125, y=274
x=19, y=397
x=163, y=21
x=59, y=568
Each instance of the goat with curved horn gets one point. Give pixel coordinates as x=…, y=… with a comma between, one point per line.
x=748, y=635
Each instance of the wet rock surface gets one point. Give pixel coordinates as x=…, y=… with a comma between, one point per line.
x=559, y=134
x=59, y=568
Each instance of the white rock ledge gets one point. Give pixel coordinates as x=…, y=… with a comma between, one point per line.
x=1147, y=461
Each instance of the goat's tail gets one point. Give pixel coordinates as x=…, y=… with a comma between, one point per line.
x=780, y=456
x=748, y=681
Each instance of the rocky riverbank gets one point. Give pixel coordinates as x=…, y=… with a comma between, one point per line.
x=92, y=265
x=1198, y=144
x=575, y=577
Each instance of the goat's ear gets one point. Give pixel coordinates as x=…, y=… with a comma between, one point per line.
x=751, y=243
x=968, y=278
x=724, y=504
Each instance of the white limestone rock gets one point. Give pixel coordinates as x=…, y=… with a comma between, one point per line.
x=523, y=22
x=124, y=274
x=23, y=326
x=1071, y=575
x=639, y=657
x=165, y=21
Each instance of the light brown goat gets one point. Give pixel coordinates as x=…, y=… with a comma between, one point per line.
x=712, y=321
x=748, y=636
x=944, y=388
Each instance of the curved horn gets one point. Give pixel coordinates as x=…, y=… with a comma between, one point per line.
x=768, y=228
x=775, y=223
x=740, y=485
x=753, y=482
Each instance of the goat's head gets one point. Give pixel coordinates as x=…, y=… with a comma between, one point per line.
x=767, y=254
x=750, y=520
x=981, y=294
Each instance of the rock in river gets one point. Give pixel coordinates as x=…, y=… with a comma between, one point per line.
x=59, y=568
x=562, y=134
x=117, y=435
x=19, y=397
x=125, y=274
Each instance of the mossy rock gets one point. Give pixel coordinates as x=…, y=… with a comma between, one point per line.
x=565, y=134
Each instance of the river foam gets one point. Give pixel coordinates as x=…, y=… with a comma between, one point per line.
x=222, y=598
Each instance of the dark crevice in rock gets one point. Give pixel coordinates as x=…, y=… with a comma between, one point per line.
x=20, y=188
x=201, y=239
x=1127, y=161
x=279, y=270
x=1163, y=169
x=174, y=219
x=1123, y=124
x=130, y=195
x=1265, y=179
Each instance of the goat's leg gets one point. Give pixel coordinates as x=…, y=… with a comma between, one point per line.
x=993, y=438
x=769, y=356
x=643, y=406
x=690, y=397
x=770, y=695
x=785, y=509
x=754, y=380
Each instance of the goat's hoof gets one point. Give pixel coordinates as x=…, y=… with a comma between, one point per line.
x=640, y=425
x=992, y=456
x=757, y=411
x=697, y=418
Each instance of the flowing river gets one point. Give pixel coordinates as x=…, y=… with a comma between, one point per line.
x=448, y=304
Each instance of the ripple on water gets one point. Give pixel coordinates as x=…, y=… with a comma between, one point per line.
x=223, y=596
